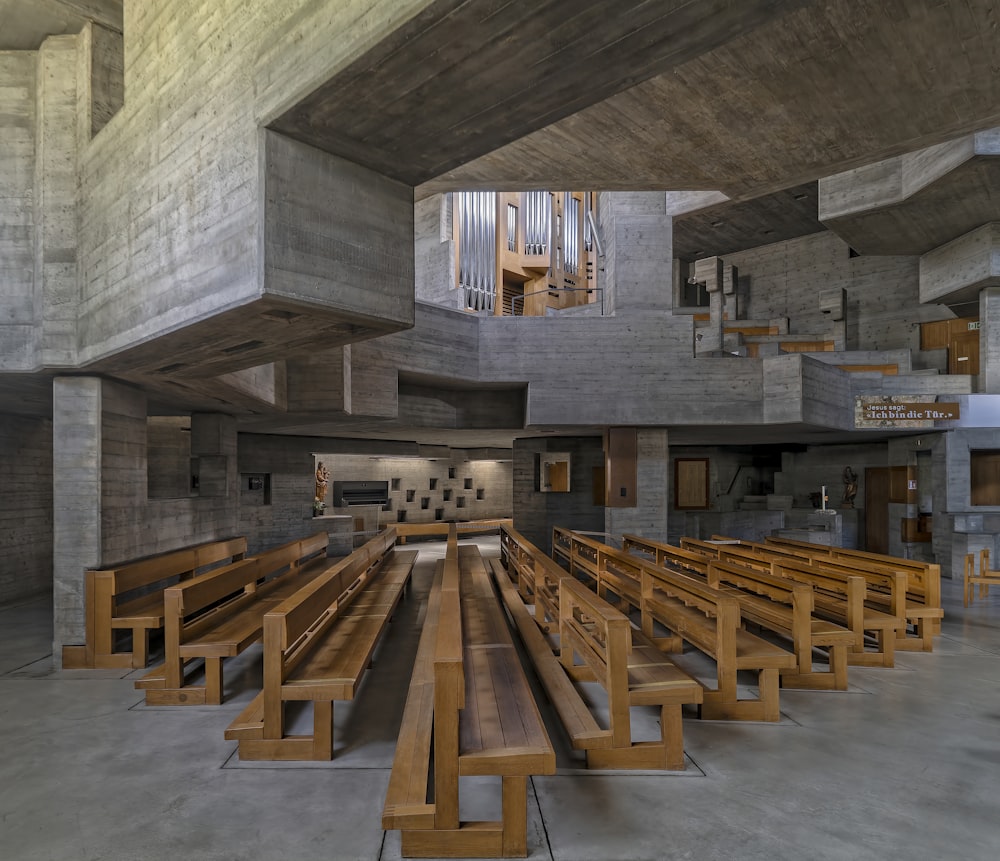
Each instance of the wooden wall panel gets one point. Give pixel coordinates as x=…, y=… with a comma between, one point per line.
x=622, y=454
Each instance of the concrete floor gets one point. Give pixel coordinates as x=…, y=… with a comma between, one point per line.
x=906, y=764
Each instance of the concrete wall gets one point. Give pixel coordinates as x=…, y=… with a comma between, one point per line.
x=882, y=293
x=101, y=511
x=25, y=507
x=17, y=210
x=458, y=484
x=535, y=512
x=171, y=235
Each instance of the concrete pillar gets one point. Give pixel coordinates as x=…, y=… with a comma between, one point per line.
x=76, y=510
x=649, y=517
x=55, y=200
x=638, y=239
x=989, y=340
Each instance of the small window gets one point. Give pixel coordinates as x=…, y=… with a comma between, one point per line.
x=451, y=472
x=481, y=493
x=425, y=502
x=395, y=483
x=433, y=484
x=468, y=484
x=410, y=495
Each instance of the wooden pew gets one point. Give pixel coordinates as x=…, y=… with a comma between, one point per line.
x=318, y=643
x=129, y=597
x=687, y=561
x=218, y=614
x=984, y=579
x=631, y=670
x=578, y=551
x=711, y=621
x=839, y=594
x=839, y=591
x=469, y=706
x=439, y=528
x=923, y=587
x=536, y=574
x=785, y=607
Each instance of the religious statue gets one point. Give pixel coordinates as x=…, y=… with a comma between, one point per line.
x=850, y=487
x=322, y=480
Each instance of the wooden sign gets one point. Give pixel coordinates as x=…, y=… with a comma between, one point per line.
x=899, y=411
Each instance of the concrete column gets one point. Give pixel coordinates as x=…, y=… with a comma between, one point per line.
x=638, y=238
x=989, y=340
x=649, y=517
x=56, y=215
x=76, y=510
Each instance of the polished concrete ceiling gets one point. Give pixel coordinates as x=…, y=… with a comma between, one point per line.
x=963, y=199
x=467, y=76
x=732, y=226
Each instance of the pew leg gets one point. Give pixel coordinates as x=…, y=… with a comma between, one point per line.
x=140, y=648
x=672, y=736
x=213, y=681
x=768, y=680
x=887, y=646
x=515, y=816
x=323, y=730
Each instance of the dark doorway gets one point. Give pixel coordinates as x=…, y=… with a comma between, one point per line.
x=877, y=509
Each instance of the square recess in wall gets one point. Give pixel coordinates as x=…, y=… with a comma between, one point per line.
x=468, y=484
x=460, y=502
x=425, y=502
x=395, y=483
x=439, y=514
x=480, y=493
x=447, y=496
x=433, y=484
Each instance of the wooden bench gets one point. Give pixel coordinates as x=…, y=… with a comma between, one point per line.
x=469, y=711
x=578, y=551
x=984, y=579
x=839, y=594
x=687, y=561
x=129, y=597
x=712, y=622
x=537, y=576
x=218, y=614
x=318, y=643
x=630, y=669
x=439, y=528
x=923, y=587
x=785, y=607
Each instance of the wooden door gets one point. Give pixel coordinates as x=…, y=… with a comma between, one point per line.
x=877, y=509
x=963, y=353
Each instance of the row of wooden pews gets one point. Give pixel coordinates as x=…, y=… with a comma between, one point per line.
x=711, y=595
x=594, y=642
x=469, y=711
x=904, y=588
x=839, y=595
